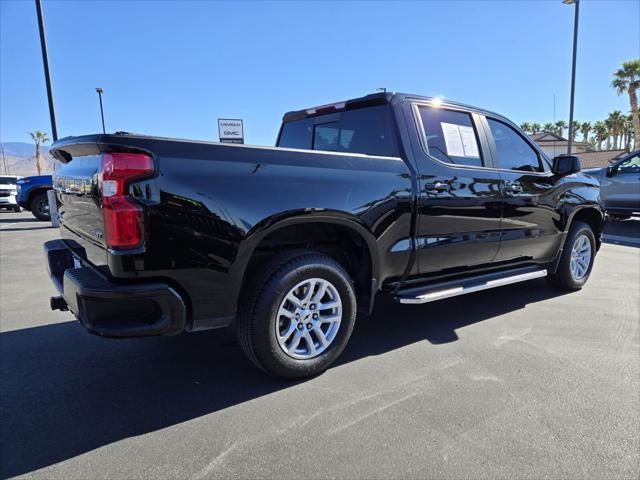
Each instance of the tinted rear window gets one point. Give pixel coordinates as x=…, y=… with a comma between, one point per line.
x=8, y=180
x=365, y=130
x=451, y=136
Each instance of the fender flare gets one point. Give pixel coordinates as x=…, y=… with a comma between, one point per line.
x=572, y=214
x=571, y=217
x=275, y=222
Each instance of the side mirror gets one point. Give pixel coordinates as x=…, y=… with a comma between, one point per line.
x=611, y=170
x=566, y=165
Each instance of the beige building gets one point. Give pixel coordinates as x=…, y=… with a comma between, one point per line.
x=553, y=145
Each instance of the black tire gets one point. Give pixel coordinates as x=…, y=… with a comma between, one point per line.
x=17, y=209
x=39, y=207
x=261, y=300
x=563, y=278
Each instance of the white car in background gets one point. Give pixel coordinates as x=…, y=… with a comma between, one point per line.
x=8, y=192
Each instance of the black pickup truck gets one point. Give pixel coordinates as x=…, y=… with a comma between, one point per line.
x=420, y=198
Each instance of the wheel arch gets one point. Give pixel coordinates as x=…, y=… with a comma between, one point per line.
x=591, y=215
x=316, y=232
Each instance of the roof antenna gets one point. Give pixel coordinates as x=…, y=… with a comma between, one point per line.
x=100, y=92
x=382, y=89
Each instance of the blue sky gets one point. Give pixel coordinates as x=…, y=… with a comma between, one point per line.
x=172, y=68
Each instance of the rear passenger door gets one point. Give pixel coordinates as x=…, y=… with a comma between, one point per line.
x=459, y=201
x=530, y=227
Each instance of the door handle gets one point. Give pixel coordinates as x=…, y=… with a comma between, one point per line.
x=513, y=188
x=436, y=187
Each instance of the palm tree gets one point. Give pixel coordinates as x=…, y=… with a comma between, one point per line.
x=39, y=138
x=560, y=127
x=617, y=121
x=536, y=127
x=576, y=127
x=609, y=123
x=585, y=128
x=627, y=79
x=549, y=128
x=601, y=133
x=526, y=127
x=628, y=132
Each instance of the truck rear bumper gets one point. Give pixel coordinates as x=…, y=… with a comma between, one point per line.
x=111, y=309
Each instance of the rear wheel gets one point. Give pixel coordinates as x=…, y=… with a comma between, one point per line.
x=577, y=258
x=297, y=315
x=40, y=207
x=17, y=209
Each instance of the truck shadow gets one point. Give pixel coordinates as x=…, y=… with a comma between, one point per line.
x=626, y=233
x=65, y=392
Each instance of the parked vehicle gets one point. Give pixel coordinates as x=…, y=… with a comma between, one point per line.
x=8, y=192
x=620, y=186
x=32, y=195
x=392, y=193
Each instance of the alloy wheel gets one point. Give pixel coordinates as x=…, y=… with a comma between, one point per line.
x=309, y=318
x=580, y=257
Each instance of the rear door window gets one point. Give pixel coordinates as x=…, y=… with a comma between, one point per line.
x=451, y=136
x=365, y=130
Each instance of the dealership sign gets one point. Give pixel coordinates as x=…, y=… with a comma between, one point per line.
x=230, y=130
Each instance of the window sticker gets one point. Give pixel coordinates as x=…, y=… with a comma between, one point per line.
x=452, y=139
x=460, y=140
x=469, y=142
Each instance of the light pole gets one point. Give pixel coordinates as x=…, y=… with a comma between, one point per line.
x=47, y=76
x=100, y=92
x=573, y=69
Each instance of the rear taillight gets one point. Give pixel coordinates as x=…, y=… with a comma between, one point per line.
x=123, y=217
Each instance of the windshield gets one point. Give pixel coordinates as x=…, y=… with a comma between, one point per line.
x=365, y=130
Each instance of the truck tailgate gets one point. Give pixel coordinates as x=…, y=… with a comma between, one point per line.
x=100, y=201
x=78, y=190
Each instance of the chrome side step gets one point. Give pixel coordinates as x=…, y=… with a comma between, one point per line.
x=464, y=286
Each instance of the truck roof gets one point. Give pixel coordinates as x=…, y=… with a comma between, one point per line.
x=379, y=98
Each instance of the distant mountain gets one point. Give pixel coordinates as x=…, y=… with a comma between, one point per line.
x=20, y=159
x=22, y=149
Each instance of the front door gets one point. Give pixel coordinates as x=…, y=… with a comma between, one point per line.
x=621, y=189
x=459, y=204
x=530, y=227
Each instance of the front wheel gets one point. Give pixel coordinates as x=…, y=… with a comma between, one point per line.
x=40, y=207
x=297, y=315
x=577, y=258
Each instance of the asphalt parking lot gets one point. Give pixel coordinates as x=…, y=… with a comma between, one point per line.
x=517, y=382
